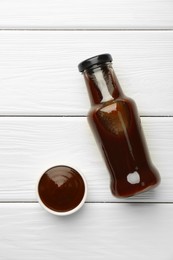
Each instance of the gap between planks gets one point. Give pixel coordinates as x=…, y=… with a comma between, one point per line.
x=93, y=202
x=85, y=29
x=74, y=116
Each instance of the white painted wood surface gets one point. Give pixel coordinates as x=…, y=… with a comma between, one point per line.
x=109, y=231
x=51, y=14
x=41, y=44
x=31, y=145
x=39, y=75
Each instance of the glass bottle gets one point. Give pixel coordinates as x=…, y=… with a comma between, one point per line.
x=117, y=128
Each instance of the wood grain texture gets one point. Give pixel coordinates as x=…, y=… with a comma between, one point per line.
x=29, y=146
x=121, y=14
x=97, y=231
x=38, y=70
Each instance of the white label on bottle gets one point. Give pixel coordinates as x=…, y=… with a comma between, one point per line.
x=133, y=178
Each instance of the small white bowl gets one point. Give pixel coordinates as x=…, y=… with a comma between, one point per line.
x=58, y=213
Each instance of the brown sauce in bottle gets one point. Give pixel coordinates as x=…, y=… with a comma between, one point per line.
x=117, y=128
x=61, y=188
x=122, y=142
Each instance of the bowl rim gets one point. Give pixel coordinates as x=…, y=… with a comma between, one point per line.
x=66, y=213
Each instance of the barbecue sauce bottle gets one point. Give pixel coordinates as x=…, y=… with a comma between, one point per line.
x=117, y=128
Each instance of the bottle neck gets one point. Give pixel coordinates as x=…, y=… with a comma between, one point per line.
x=102, y=83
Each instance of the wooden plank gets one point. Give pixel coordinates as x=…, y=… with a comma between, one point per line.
x=97, y=231
x=38, y=70
x=29, y=146
x=119, y=14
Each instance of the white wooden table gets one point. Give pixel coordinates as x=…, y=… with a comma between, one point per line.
x=43, y=109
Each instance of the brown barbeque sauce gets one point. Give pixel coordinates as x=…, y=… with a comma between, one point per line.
x=61, y=188
x=117, y=128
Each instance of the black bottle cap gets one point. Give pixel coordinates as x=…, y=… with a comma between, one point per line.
x=96, y=60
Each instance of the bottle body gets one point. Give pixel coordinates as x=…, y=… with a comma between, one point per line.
x=116, y=125
x=118, y=132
